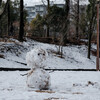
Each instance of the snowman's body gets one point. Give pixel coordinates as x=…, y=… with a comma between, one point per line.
x=37, y=78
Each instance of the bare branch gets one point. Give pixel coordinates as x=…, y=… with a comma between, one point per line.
x=43, y=2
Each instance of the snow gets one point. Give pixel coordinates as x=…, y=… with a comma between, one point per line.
x=36, y=58
x=75, y=57
x=64, y=86
x=38, y=79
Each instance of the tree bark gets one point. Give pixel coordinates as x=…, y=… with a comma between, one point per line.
x=47, y=31
x=21, y=30
x=8, y=16
x=99, y=41
x=48, y=6
x=67, y=3
x=89, y=44
x=66, y=23
x=91, y=31
x=77, y=21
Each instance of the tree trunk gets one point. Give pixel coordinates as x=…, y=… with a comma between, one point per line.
x=99, y=40
x=90, y=34
x=21, y=30
x=67, y=4
x=89, y=43
x=0, y=20
x=77, y=21
x=0, y=2
x=65, y=25
x=47, y=31
x=48, y=6
x=8, y=17
x=91, y=30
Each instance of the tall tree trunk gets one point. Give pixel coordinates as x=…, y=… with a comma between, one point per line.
x=92, y=19
x=0, y=2
x=89, y=42
x=66, y=23
x=8, y=16
x=99, y=40
x=0, y=20
x=67, y=4
x=21, y=30
x=47, y=31
x=77, y=21
x=48, y=6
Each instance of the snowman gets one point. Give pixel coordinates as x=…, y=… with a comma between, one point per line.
x=37, y=77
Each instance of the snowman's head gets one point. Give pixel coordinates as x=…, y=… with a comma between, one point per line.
x=36, y=58
x=41, y=54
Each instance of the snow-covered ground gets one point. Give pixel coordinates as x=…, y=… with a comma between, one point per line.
x=75, y=57
x=64, y=86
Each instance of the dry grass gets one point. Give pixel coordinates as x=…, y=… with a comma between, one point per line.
x=54, y=98
x=77, y=93
x=2, y=56
x=44, y=91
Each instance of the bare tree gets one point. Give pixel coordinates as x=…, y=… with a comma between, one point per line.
x=64, y=29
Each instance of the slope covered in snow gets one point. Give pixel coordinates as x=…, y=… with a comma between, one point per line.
x=65, y=85
x=74, y=57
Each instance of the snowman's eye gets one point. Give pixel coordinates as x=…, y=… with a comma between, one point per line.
x=38, y=54
x=43, y=54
